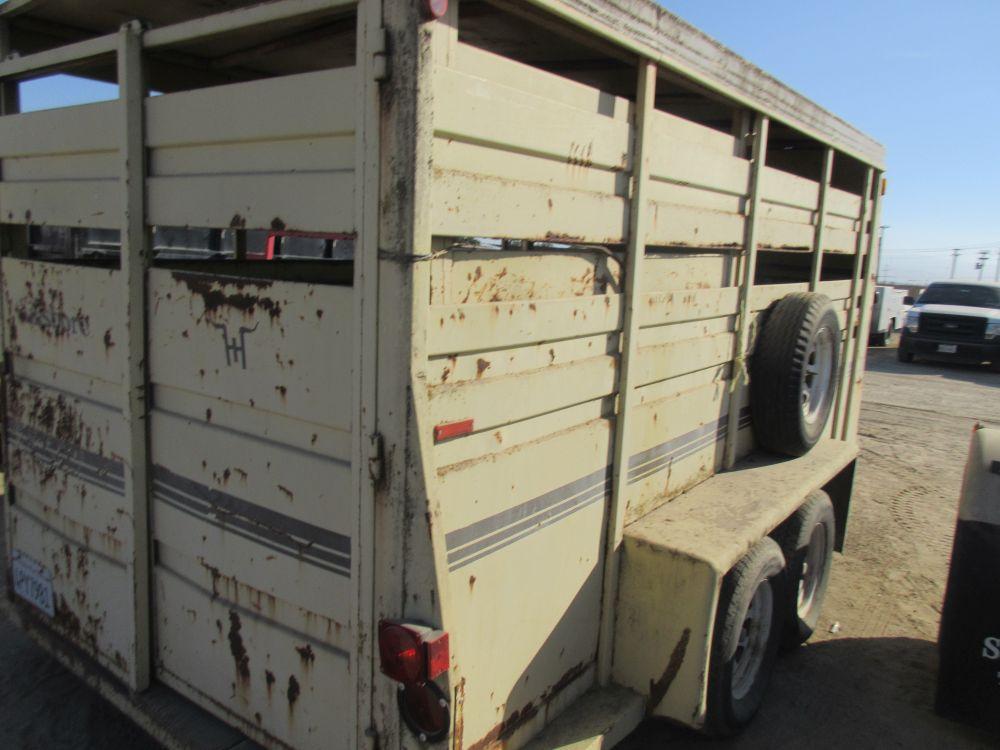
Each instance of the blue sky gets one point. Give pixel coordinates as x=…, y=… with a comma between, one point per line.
x=921, y=76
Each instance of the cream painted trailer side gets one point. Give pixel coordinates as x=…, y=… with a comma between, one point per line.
x=496, y=480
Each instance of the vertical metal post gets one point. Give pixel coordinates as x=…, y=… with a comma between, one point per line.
x=10, y=95
x=135, y=244
x=839, y=409
x=867, y=298
x=824, y=187
x=739, y=378
x=628, y=345
x=370, y=64
x=9, y=105
x=13, y=238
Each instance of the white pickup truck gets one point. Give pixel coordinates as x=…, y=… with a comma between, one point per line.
x=956, y=320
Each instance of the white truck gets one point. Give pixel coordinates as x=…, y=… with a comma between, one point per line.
x=514, y=399
x=888, y=314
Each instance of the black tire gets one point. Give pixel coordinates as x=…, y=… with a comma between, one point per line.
x=779, y=372
x=904, y=355
x=811, y=529
x=995, y=365
x=735, y=694
x=878, y=339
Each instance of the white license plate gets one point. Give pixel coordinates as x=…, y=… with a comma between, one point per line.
x=32, y=582
x=947, y=348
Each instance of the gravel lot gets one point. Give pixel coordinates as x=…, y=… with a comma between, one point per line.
x=869, y=684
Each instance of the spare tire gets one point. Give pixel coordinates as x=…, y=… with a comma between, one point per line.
x=793, y=373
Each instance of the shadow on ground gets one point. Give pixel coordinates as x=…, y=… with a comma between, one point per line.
x=846, y=692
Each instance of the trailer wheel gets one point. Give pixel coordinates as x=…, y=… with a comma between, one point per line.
x=807, y=539
x=746, y=640
x=793, y=373
x=903, y=354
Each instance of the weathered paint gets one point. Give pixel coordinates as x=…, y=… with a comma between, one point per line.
x=299, y=488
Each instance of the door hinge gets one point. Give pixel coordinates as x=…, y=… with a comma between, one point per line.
x=380, y=55
x=376, y=467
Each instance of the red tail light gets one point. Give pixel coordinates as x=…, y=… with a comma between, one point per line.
x=403, y=656
x=412, y=654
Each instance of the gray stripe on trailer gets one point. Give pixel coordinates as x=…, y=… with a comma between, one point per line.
x=655, y=467
x=676, y=444
x=230, y=504
x=510, y=539
x=108, y=473
x=479, y=529
x=338, y=563
x=483, y=537
x=60, y=461
x=533, y=523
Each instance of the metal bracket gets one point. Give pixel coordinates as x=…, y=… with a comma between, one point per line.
x=380, y=55
x=376, y=465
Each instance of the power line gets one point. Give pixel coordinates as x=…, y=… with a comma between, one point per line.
x=984, y=246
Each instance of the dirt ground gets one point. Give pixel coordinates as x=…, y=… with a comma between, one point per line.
x=866, y=682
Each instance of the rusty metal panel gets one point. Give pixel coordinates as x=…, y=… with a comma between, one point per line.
x=254, y=343
x=60, y=166
x=254, y=508
x=505, y=521
x=64, y=317
x=561, y=178
x=67, y=446
x=698, y=156
x=273, y=154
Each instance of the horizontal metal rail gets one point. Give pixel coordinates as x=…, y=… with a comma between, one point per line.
x=59, y=57
x=779, y=105
x=196, y=29
x=236, y=20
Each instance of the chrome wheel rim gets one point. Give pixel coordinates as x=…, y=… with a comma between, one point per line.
x=813, y=570
x=818, y=376
x=751, y=648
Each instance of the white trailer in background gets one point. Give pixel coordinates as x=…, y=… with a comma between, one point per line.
x=888, y=313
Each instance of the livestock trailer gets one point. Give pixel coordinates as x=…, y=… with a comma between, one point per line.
x=561, y=436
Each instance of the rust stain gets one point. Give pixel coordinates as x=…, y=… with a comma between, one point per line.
x=459, y=703
x=563, y=682
x=236, y=647
x=287, y=492
x=503, y=731
x=472, y=582
x=45, y=309
x=66, y=620
x=277, y=224
x=237, y=222
x=658, y=689
x=269, y=680
x=108, y=343
x=482, y=365
x=306, y=654
x=293, y=691
x=215, y=297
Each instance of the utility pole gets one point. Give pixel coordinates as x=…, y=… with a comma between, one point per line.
x=954, y=261
x=881, y=239
x=981, y=263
